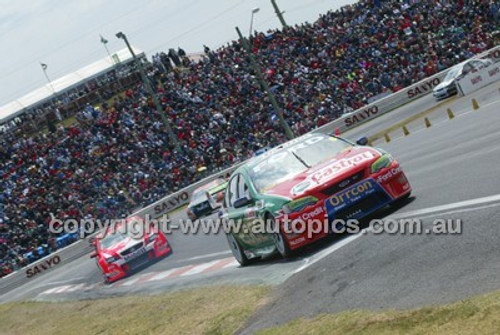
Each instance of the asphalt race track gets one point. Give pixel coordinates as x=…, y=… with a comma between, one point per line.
x=451, y=162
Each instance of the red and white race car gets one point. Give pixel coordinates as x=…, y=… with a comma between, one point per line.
x=119, y=251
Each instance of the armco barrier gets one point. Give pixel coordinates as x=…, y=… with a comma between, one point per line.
x=181, y=198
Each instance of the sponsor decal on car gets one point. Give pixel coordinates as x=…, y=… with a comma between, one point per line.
x=300, y=204
x=389, y=174
x=339, y=166
x=297, y=241
x=352, y=194
x=313, y=213
x=135, y=254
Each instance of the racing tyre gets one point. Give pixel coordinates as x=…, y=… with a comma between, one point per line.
x=280, y=242
x=237, y=250
x=105, y=279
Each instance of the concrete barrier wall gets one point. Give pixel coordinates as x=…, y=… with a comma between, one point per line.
x=45, y=265
x=181, y=198
x=478, y=79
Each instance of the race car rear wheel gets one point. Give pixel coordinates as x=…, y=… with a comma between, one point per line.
x=280, y=242
x=237, y=250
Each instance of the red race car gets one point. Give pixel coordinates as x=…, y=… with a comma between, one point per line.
x=119, y=251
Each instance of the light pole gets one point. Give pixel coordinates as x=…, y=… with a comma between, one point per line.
x=254, y=11
x=146, y=83
x=104, y=43
x=264, y=86
x=279, y=13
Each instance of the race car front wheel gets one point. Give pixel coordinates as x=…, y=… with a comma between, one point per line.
x=237, y=250
x=280, y=242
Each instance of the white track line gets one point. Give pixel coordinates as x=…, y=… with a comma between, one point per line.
x=62, y=289
x=322, y=254
x=448, y=209
x=199, y=268
x=130, y=282
x=76, y=288
x=234, y=263
x=162, y=275
x=226, y=252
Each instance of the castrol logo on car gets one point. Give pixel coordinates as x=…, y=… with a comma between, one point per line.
x=341, y=165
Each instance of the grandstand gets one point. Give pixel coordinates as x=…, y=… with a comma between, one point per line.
x=90, y=84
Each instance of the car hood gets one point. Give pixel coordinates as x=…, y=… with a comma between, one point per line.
x=333, y=170
x=121, y=246
x=197, y=202
x=444, y=84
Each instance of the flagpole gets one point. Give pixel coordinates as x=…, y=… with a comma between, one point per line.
x=44, y=69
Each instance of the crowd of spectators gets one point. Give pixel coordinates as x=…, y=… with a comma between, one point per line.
x=61, y=105
x=118, y=158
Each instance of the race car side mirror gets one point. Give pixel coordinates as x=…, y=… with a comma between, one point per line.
x=362, y=141
x=93, y=254
x=242, y=202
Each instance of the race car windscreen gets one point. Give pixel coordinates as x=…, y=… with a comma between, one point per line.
x=111, y=239
x=291, y=161
x=452, y=73
x=199, y=196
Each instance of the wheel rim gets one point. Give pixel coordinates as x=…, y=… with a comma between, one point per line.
x=235, y=248
x=279, y=242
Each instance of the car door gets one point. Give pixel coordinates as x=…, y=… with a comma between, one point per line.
x=245, y=217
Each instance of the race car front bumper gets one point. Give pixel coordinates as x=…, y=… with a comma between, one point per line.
x=355, y=202
x=120, y=268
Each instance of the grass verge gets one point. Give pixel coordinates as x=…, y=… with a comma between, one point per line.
x=478, y=315
x=216, y=310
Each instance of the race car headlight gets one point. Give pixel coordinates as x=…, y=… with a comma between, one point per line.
x=299, y=204
x=152, y=237
x=111, y=259
x=384, y=161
